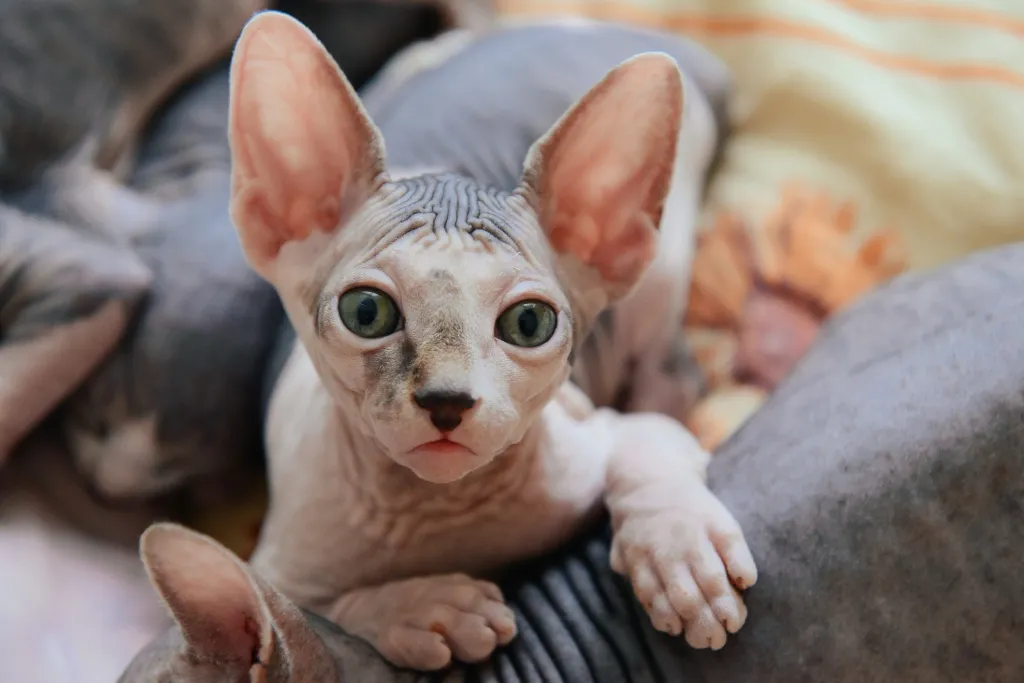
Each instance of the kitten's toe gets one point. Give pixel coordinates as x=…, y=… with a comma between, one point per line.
x=415, y=648
x=469, y=636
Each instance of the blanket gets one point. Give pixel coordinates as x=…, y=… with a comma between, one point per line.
x=869, y=137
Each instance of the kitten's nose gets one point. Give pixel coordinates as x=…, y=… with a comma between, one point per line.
x=445, y=407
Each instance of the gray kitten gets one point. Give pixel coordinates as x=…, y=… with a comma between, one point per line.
x=78, y=81
x=178, y=400
x=179, y=404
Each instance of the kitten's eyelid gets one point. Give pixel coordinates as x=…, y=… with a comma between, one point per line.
x=529, y=291
x=530, y=296
x=541, y=352
x=372, y=278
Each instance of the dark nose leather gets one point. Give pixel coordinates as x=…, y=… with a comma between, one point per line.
x=445, y=407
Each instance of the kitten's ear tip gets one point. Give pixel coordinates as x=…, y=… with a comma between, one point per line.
x=271, y=20
x=657, y=73
x=157, y=535
x=166, y=539
x=273, y=32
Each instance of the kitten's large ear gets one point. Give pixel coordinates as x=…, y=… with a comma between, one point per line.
x=211, y=595
x=304, y=153
x=599, y=178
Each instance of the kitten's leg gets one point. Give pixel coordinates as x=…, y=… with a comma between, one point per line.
x=36, y=375
x=680, y=547
x=423, y=623
x=64, y=302
x=96, y=203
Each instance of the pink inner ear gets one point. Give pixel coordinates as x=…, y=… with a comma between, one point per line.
x=605, y=170
x=606, y=229
x=300, y=143
x=215, y=603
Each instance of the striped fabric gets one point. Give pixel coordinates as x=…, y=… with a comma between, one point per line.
x=910, y=109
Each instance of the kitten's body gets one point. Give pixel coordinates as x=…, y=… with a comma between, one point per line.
x=352, y=453
x=78, y=81
x=392, y=525
x=888, y=531
x=177, y=402
x=459, y=117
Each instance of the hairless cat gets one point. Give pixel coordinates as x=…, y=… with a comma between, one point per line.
x=425, y=418
x=881, y=488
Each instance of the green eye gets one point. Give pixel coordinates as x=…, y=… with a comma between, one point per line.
x=369, y=313
x=527, y=323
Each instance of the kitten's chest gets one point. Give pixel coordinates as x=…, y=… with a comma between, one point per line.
x=507, y=519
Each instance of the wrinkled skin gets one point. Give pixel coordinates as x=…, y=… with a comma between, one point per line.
x=881, y=489
x=425, y=420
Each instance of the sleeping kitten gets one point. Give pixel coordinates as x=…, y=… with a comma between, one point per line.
x=424, y=429
x=177, y=403
x=78, y=81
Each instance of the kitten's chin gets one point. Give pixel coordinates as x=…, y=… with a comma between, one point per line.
x=442, y=462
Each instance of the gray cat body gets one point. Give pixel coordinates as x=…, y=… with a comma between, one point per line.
x=477, y=112
x=881, y=488
x=78, y=83
x=108, y=65
x=178, y=400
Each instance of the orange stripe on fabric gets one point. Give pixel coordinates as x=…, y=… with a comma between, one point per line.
x=968, y=16
x=741, y=26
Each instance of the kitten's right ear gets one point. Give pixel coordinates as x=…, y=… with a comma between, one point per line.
x=305, y=155
x=219, y=608
x=599, y=178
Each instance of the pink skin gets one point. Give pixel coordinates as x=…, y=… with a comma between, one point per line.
x=355, y=455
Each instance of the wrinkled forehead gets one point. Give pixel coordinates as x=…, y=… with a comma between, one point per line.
x=452, y=204
x=439, y=236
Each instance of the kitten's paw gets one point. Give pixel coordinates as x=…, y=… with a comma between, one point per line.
x=431, y=620
x=686, y=560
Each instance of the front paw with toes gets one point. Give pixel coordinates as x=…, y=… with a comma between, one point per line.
x=687, y=563
x=425, y=623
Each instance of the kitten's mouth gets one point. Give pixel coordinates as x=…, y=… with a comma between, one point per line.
x=442, y=446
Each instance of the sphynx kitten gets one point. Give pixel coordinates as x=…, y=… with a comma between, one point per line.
x=79, y=80
x=438, y=104
x=425, y=421
x=888, y=533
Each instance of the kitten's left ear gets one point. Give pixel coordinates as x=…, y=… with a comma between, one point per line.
x=215, y=601
x=599, y=178
x=304, y=153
